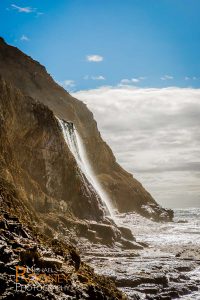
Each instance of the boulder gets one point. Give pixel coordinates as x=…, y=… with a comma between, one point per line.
x=126, y=233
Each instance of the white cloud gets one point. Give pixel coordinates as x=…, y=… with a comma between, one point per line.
x=154, y=134
x=67, y=84
x=39, y=14
x=125, y=81
x=23, y=9
x=100, y=77
x=24, y=38
x=131, y=81
x=191, y=78
x=167, y=77
x=94, y=58
x=135, y=79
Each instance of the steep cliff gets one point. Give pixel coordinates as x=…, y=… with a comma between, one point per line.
x=32, y=80
x=36, y=160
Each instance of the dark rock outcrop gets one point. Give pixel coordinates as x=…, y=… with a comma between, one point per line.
x=37, y=268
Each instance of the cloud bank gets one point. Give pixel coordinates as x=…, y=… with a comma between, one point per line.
x=155, y=135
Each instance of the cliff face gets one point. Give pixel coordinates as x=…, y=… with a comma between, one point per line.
x=37, y=161
x=40, y=151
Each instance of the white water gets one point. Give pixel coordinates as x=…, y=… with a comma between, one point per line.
x=171, y=233
x=76, y=146
x=166, y=239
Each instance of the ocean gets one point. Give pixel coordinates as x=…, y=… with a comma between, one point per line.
x=173, y=251
x=168, y=239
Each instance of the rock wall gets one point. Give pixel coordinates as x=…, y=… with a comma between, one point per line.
x=32, y=80
x=36, y=160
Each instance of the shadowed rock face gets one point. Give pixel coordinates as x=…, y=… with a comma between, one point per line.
x=21, y=249
x=36, y=160
x=32, y=80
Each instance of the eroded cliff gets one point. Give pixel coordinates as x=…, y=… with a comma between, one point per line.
x=37, y=161
x=32, y=80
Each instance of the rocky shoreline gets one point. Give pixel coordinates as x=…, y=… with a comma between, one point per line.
x=158, y=272
x=147, y=275
x=33, y=267
x=153, y=274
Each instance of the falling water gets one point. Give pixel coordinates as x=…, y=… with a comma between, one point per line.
x=75, y=145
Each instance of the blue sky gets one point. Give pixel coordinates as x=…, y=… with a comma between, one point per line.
x=118, y=56
x=90, y=43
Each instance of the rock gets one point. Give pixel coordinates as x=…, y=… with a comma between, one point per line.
x=3, y=224
x=107, y=233
x=75, y=258
x=159, y=279
x=17, y=228
x=182, y=221
x=91, y=235
x=3, y=284
x=193, y=287
x=130, y=245
x=183, y=268
x=5, y=254
x=82, y=279
x=173, y=294
x=144, y=244
x=148, y=289
x=30, y=256
x=178, y=254
x=126, y=233
x=82, y=229
x=94, y=293
x=128, y=282
x=50, y=263
x=15, y=244
x=155, y=279
x=165, y=297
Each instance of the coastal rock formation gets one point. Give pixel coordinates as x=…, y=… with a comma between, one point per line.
x=36, y=160
x=48, y=174
x=32, y=267
x=49, y=206
x=48, y=185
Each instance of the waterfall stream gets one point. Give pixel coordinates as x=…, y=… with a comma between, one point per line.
x=76, y=146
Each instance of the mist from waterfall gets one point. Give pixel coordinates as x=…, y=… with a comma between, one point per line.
x=76, y=146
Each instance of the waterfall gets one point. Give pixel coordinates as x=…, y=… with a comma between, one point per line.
x=76, y=146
